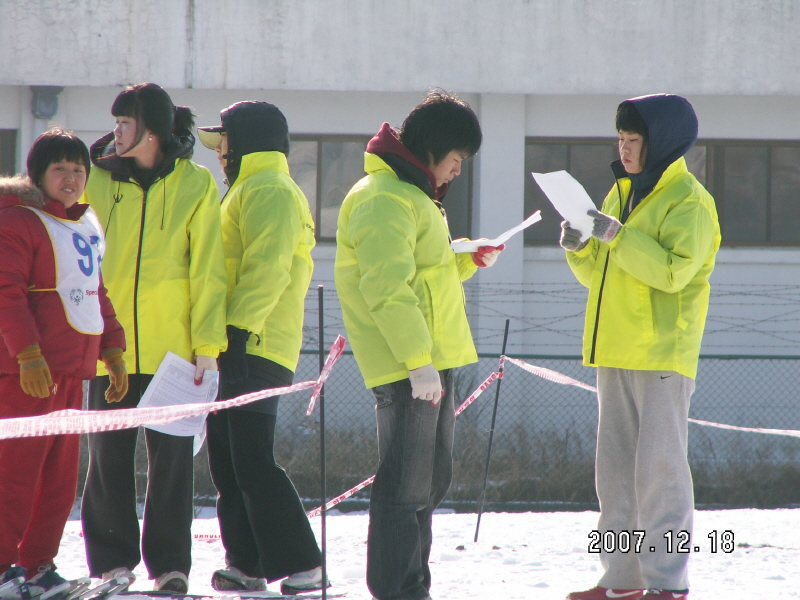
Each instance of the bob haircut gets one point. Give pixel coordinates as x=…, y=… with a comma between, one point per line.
x=54, y=146
x=440, y=124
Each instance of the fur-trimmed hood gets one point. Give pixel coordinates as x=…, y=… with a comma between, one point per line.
x=19, y=190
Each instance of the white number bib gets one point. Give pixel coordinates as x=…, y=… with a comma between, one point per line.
x=78, y=247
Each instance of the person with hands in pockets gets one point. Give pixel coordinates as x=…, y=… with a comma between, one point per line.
x=165, y=269
x=56, y=322
x=268, y=234
x=399, y=284
x=647, y=266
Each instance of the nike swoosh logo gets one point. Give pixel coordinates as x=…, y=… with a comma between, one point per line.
x=613, y=594
x=666, y=376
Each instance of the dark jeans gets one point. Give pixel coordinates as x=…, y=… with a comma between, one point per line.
x=264, y=527
x=108, y=510
x=416, y=467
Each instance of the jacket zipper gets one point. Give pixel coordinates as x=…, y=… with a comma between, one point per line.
x=603, y=283
x=597, y=316
x=136, y=282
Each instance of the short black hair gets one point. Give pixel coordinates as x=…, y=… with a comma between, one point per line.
x=152, y=108
x=54, y=146
x=440, y=124
x=630, y=120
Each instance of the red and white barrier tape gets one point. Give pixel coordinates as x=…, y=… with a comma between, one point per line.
x=560, y=378
x=553, y=376
x=335, y=352
x=789, y=432
x=333, y=502
x=202, y=537
x=79, y=421
x=486, y=383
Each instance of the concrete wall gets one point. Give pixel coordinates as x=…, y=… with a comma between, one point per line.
x=531, y=285
x=727, y=47
x=529, y=68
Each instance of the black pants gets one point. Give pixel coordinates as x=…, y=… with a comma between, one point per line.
x=264, y=527
x=108, y=510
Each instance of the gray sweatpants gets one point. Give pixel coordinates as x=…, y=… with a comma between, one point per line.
x=642, y=476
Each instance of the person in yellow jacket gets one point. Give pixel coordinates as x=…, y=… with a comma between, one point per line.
x=647, y=266
x=399, y=284
x=268, y=235
x=165, y=270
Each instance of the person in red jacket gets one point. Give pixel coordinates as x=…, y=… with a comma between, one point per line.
x=56, y=321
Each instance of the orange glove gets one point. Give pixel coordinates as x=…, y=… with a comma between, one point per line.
x=115, y=365
x=34, y=374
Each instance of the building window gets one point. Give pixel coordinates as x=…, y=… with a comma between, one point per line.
x=757, y=189
x=755, y=184
x=326, y=167
x=8, y=151
x=586, y=160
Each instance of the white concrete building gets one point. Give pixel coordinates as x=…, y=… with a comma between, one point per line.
x=545, y=77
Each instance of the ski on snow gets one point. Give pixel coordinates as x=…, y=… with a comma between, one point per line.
x=104, y=590
x=19, y=589
x=244, y=595
x=82, y=589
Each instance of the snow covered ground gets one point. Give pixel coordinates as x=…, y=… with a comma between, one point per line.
x=521, y=556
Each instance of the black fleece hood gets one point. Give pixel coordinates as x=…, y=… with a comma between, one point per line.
x=671, y=133
x=251, y=127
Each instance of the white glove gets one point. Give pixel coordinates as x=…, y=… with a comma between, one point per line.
x=204, y=363
x=426, y=384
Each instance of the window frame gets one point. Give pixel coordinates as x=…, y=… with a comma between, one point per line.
x=568, y=141
x=8, y=151
x=310, y=137
x=714, y=176
x=716, y=182
x=468, y=171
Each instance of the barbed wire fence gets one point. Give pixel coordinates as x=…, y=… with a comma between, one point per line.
x=544, y=441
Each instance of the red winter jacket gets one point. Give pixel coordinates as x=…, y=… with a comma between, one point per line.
x=27, y=261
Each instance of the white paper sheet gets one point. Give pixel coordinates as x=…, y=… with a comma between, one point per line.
x=173, y=384
x=473, y=245
x=569, y=199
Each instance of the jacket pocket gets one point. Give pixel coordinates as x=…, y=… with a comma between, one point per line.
x=645, y=312
x=445, y=299
x=433, y=300
x=383, y=395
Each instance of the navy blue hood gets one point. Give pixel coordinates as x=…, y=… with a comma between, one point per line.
x=251, y=126
x=671, y=133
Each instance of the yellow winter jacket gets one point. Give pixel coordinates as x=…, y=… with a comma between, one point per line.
x=648, y=287
x=398, y=280
x=164, y=265
x=268, y=233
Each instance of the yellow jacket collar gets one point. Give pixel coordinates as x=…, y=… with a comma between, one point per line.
x=676, y=168
x=262, y=161
x=374, y=163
